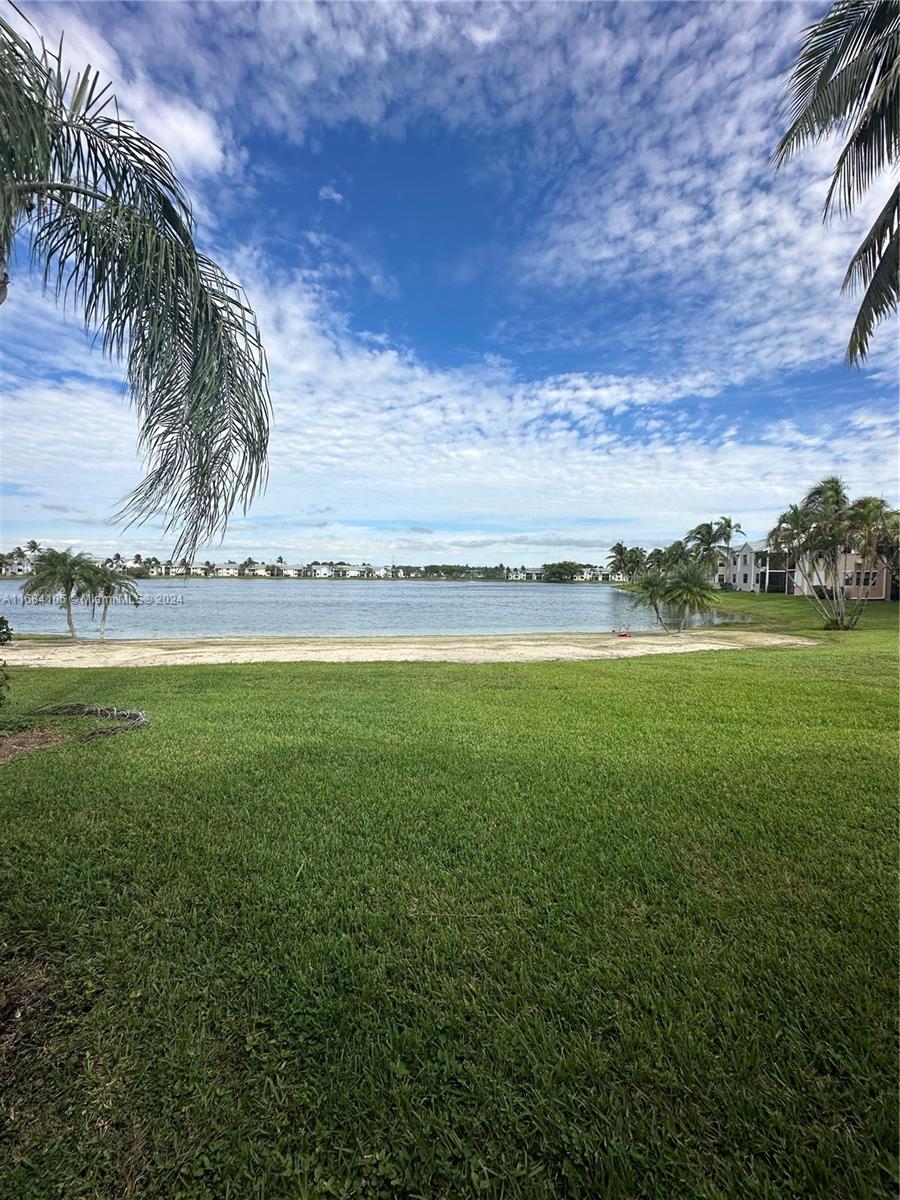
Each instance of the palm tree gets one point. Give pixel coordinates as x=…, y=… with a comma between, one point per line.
x=655, y=560
x=32, y=546
x=650, y=590
x=845, y=83
x=634, y=562
x=60, y=572
x=689, y=589
x=726, y=529
x=820, y=530
x=874, y=534
x=617, y=559
x=676, y=555
x=17, y=553
x=106, y=585
x=109, y=226
x=703, y=540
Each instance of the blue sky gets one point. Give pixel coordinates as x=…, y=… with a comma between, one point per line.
x=526, y=281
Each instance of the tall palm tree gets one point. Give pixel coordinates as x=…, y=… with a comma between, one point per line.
x=32, y=546
x=634, y=562
x=676, y=555
x=655, y=560
x=703, y=540
x=60, y=572
x=846, y=82
x=650, y=590
x=109, y=226
x=617, y=559
x=726, y=530
x=105, y=585
x=688, y=588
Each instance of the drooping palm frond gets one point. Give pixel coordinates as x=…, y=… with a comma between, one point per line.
x=846, y=82
x=111, y=232
x=879, y=299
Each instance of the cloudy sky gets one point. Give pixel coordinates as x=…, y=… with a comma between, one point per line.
x=526, y=281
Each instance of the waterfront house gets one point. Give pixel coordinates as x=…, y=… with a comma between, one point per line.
x=320, y=571
x=292, y=572
x=198, y=569
x=228, y=571
x=525, y=574
x=856, y=576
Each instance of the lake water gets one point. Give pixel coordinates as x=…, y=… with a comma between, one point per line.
x=190, y=608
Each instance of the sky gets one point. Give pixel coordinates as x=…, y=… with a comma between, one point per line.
x=526, y=280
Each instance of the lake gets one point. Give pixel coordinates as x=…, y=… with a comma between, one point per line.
x=192, y=608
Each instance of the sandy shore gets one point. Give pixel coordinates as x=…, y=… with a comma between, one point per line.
x=489, y=648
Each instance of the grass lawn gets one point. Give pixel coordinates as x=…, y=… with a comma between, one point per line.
x=616, y=929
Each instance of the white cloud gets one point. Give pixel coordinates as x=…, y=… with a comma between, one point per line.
x=330, y=193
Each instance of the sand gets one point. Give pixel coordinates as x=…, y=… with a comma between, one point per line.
x=487, y=648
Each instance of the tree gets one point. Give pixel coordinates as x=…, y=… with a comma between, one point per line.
x=820, y=530
x=650, y=590
x=105, y=585
x=703, y=540
x=18, y=553
x=676, y=555
x=846, y=82
x=634, y=562
x=617, y=559
x=655, y=560
x=60, y=572
x=726, y=529
x=688, y=588
x=32, y=546
x=560, y=572
x=110, y=228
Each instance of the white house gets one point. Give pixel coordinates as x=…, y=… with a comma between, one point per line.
x=292, y=572
x=320, y=571
x=525, y=574
x=198, y=569
x=260, y=570
x=228, y=571
x=159, y=571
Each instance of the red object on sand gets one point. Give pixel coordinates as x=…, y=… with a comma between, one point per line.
x=623, y=634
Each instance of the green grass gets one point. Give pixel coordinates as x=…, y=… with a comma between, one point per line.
x=616, y=929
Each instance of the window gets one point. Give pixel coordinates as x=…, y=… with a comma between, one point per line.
x=745, y=577
x=744, y=561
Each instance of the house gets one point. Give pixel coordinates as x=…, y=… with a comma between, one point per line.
x=857, y=577
x=198, y=569
x=320, y=571
x=292, y=572
x=260, y=570
x=525, y=574
x=159, y=570
x=20, y=566
x=228, y=571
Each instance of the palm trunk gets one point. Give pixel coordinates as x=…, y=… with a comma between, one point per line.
x=73, y=634
x=684, y=618
x=104, y=611
x=659, y=618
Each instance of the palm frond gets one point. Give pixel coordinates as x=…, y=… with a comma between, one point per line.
x=112, y=232
x=879, y=300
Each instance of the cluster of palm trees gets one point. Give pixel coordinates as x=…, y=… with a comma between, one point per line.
x=678, y=576
x=78, y=578
x=706, y=543
x=826, y=526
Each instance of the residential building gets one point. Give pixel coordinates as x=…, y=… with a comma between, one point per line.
x=857, y=577
x=228, y=571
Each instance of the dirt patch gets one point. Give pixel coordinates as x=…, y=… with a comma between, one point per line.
x=13, y=745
